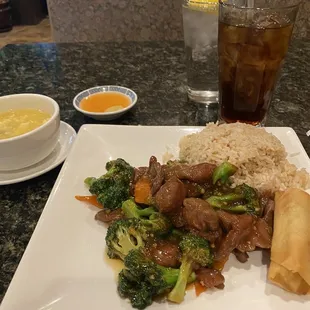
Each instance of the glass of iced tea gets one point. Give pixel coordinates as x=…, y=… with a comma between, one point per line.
x=253, y=41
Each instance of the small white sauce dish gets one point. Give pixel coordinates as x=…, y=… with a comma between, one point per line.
x=29, y=148
x=105, y=116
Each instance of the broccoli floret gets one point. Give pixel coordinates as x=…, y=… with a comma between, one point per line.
x=122, y=237
x=140, y=266
x=138, y=292
x=153, y=221
x=113, y=187
x=243, y=199
x=119, y=166
x=223, y=172
x=113, y=196
x=142, y=279
x=195, y=250
x=177, y=233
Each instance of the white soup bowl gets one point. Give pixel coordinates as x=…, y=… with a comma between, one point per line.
x=29, y=148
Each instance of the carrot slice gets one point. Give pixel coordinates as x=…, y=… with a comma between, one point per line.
x=143, y=190
x=199, y=288
x=91, y=200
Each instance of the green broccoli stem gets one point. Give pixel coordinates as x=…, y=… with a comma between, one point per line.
x=146, y=212
x=192, y=277
x=226, y=203
x=89, y=181
x=238, y=209
x=131, y=210
x=224, y=200
x=223, y=172
x=177, y=233
x=170, y=275
x=178, y=292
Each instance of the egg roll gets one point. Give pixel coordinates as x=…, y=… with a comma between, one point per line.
x=290, y=250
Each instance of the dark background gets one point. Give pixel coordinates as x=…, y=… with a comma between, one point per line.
x=28, y=12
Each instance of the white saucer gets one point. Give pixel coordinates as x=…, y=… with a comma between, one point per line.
x=67, y=136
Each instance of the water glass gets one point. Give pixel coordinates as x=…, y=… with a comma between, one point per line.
x=200, y=24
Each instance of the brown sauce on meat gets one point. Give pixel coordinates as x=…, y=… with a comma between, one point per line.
x=107, y=216
x=210, y=278
x=200, y=173
x=220, y=264
x=170, y=196
x=165, y=253
x=199, y=215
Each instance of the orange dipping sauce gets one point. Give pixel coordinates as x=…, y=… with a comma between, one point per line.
x=105, y=102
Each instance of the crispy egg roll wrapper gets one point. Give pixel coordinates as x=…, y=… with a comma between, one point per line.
x=290, y=250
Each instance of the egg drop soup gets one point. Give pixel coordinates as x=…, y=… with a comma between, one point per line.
x=18, y=122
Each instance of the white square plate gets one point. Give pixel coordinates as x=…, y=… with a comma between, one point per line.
x=63, y=267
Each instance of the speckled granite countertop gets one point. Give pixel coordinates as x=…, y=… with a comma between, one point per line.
x=155, y=71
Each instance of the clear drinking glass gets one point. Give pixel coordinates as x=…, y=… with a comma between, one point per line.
x=253, y=41
x=200, y=24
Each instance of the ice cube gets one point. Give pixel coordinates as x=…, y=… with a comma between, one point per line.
x=248, y=84
x=231, y=51
x=252, y=54
x=255, y=36
x=227, y=69
x=232, y=34
x=277, y=41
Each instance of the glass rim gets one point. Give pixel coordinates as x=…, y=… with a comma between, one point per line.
x=200, y=2
x=290, y=6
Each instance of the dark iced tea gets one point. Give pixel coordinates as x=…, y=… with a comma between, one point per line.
x=250, y=59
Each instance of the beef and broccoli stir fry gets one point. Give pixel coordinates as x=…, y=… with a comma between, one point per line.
x=175, y=224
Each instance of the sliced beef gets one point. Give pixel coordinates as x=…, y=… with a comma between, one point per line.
x=242, y=257
x=200, y=173
x=244, y=233
x=264, y=226
x=212, y=236
x=193, y=190
x=170, y=196
x=165, y=253
x=108, y=216
x=248, y=243
x=263, y=234
x=199, y=215
x=227, y=220
x=210, y=278
x=139, y=172
x=239, y=227
x=156, y=174
x=176, y=218
x=259, y=236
